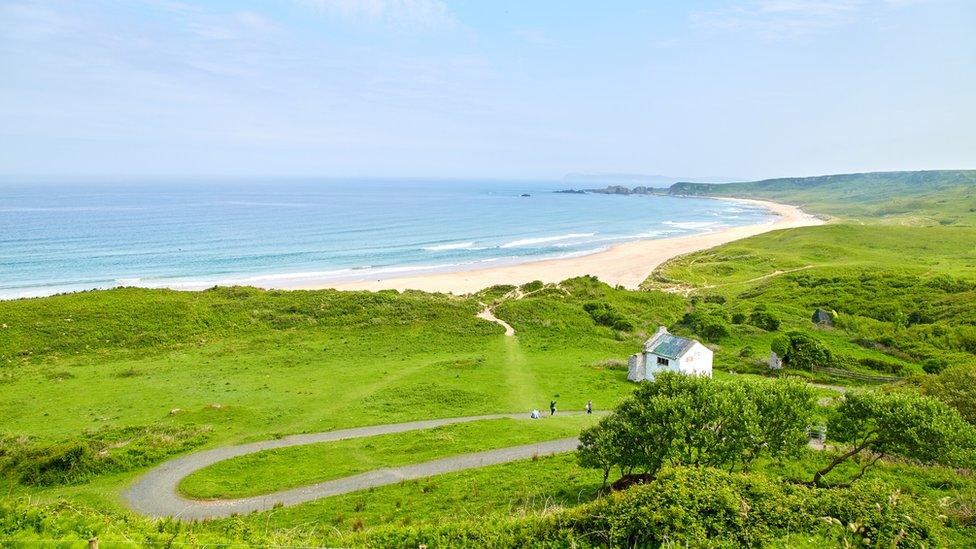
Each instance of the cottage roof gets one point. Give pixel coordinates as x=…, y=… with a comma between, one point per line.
x=668, y=345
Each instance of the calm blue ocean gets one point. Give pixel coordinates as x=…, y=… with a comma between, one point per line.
x=68, y=237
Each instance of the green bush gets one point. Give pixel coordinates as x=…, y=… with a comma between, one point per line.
x=956, y=387
x=699, y=508
x=801, y=351
x=763, y=319
x=708, y=322
x=605, y=315
x=533, y=286
x=99, y=452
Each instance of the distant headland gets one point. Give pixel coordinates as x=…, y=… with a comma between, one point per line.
x=617, y=189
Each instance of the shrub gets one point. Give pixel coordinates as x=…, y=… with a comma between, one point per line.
x=880, y=365
x=801, y=351
x=605, y=315
x=105, y=451
x=698, y=508
x=762, y=318
x=956, y=387
x=533, y=286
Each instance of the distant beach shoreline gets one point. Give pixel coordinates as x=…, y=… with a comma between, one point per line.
x=627, y=264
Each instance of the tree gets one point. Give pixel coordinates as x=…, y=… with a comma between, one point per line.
x=697, y=421
x=599, y=447
x=801, y=351
x=785, y=409
x=957, y=388
x=902, y=424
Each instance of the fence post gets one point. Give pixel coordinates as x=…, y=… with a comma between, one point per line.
x=93, y=543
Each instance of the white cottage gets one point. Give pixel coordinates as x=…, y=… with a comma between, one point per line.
x=665, y=352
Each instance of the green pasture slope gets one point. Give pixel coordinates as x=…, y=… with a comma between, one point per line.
x=97, y=387
x=941, y=197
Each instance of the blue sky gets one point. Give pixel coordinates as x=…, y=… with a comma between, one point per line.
x=534, y=89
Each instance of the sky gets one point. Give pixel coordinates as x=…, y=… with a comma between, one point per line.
x=741, y=89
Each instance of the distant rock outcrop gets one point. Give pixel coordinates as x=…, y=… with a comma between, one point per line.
x=615, y=189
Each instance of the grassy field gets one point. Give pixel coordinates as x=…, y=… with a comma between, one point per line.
x=97, y=387
x=273, y=470
x=946, y=197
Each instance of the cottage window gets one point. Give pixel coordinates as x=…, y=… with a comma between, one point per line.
x=662, y=361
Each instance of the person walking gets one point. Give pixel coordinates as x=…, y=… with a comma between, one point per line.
x=589, y=406
x=552, y=407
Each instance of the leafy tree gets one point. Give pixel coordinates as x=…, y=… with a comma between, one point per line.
x=600, y=448
x=784, y=409
x=697, y=421
x=902, y=424
x=801, y=351
x=762, y=318
x=956, y=387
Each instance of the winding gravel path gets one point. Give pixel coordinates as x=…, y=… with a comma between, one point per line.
x=155, y=493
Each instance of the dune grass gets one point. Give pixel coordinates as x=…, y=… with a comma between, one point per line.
x=272, y=470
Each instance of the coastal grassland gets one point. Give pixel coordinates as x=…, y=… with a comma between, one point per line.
x=97, y=387
x=946, y=197
x=124, y=377
x=902, y=297
x=546, y=500
x=272, y=470
x=255, y=364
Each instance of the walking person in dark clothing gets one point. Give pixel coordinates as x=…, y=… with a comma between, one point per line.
x=589, y=406
x=552, y=407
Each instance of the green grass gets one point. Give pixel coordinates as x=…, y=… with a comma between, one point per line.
x=120, y=371
x=247, y=365
x=919, y=250
x=518, y=488
x=279, y=469
x=904, y=295
x=945, y=197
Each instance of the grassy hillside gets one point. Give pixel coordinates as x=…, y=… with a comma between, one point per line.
x=892, y=314
x=945, y=197
x=97, y=387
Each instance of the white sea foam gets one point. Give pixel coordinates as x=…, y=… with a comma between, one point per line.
x=544, y=240
x=266, y=204
x=691, y=224
x=452, y=246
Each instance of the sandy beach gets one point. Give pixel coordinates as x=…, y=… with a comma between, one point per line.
x=626, y=264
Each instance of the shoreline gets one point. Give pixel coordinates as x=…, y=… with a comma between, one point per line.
x=627, y=264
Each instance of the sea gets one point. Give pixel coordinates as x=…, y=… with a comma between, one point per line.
x=58, y=237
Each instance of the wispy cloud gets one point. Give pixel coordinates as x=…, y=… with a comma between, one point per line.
x=396, y=13
x=782, y=18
